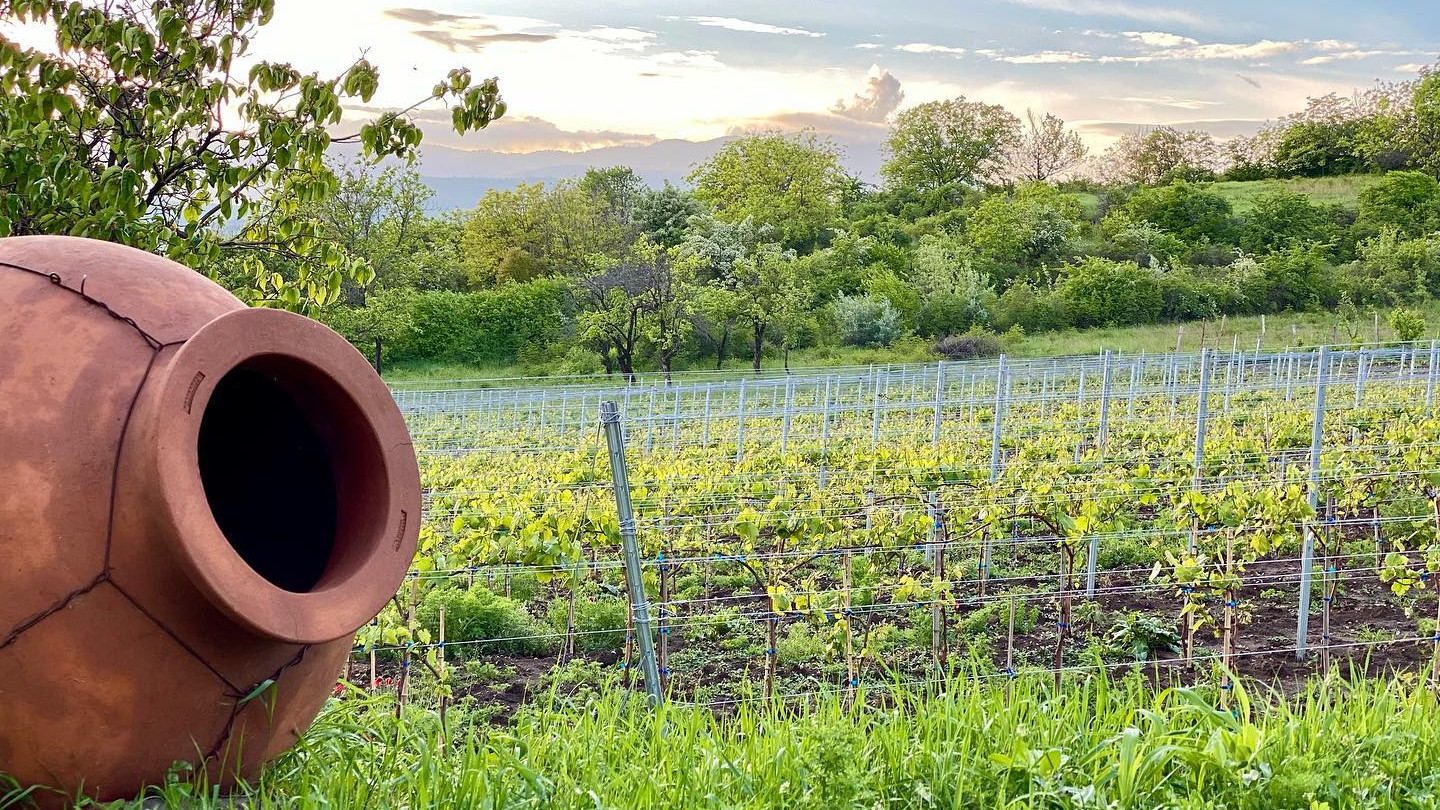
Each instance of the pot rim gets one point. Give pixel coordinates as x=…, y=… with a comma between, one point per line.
x=369, y=560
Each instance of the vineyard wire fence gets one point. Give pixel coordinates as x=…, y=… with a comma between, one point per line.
x=814, y=420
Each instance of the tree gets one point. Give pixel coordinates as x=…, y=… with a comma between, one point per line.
x=1422, y=133
x=530, y=231
x=619, y=299
x=793, y=183
x=136, y=128
x=953, y=290
x=1160, y=155
x=615, y=192
x=379, y=215
x=663, y=214
x=768, y=295
x=941, y=146
x=1045, y=149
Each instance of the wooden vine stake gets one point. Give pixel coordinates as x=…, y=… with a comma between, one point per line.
x=404, y=686
x=1227, y=645
x=772, y=629
x=663, y=621
x=444, y=677
x=1010, y=653
x=846, y=573
x=1435, y=655
x=374, y=679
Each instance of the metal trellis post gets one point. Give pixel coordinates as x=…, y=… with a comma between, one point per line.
x=640, y=604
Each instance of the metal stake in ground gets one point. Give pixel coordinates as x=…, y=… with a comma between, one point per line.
x=615, y=440
x=1307, y=552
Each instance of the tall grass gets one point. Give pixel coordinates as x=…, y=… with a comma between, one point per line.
x=1096, y=743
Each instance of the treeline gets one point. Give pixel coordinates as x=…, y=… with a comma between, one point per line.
x=981, y=226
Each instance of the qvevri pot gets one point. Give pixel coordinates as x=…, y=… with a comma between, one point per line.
x=200, y=502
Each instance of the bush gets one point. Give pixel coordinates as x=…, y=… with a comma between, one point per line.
x=1409, y=202
x=1407, y=324
x=1033, y=309
x=1189, y=294
x=1101, y=292
x=865, y=320
x=478, y=327
x=478, y=614
x=1397, y=269
x=599, y=623
x=969, y=346
x=1280, y=218
x=1295, y=278
x=1142, y=242
x=1186, y=210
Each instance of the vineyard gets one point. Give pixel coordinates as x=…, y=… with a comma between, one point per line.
x=1196, y=518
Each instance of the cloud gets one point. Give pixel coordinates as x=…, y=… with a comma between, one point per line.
x=1211, y=52
x=1353, y=54
x=881, y=96
x=472, y=43
x=1252, y=82
x=736, y=24
x=472, y=33
x=1047, y=58
x=1112, y=8
x=1168, y=101
x=926, y=47
x=868, y=46
x=1413, y=67
x=1220, y=128
x=1159, y=39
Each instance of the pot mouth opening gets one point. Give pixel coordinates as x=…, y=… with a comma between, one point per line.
x=281, y=447
x=257, y=451
x=286, y=475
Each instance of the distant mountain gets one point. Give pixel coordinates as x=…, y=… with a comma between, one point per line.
x=459, y=177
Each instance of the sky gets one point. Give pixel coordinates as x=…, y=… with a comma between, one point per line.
x=578, y=75
x=629, y=73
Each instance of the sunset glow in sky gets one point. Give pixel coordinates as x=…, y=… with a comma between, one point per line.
x=580, y=75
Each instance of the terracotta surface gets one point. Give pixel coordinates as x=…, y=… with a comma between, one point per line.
x=154, y=573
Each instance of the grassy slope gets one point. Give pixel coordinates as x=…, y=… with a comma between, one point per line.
x=1320, y=190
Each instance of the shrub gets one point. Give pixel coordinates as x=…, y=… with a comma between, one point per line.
x=1186, y=210
x=1033, y=309
x=1295, y=278
x=1280, y=218
x=1400, y=269
x=1142, y=242
x=865, y=320
x=969, y=346
x=1407, y=324
x=599, y=623
x=1101, y=292
x=489, y=326
x=1193, y=294
x=1409, y=202
x=478, y=614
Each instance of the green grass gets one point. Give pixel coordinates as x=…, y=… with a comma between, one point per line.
x=1285, y=329
x=1320, y=190
x=1095, y=743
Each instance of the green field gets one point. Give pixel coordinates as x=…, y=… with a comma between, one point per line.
x=1321, y=190
x=1281, y=330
